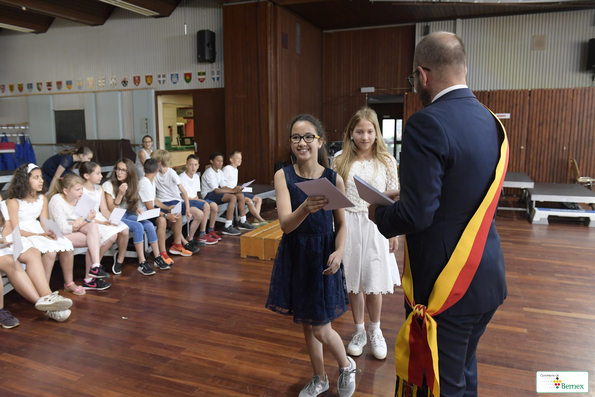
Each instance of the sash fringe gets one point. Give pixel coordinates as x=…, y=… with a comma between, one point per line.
x=404, y=389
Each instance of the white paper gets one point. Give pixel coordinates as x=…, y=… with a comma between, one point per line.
x=17, y=243
x=177, y=209
x=52, y=226
x=245, y=185
x=84, y=205
x=117, y=215
x=149, y=214
x=324, y=187
x=370, y=194
x=247, y=190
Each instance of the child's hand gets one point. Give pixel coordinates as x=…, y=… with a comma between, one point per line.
x=334, y=262
x=315, y=203
x=76, y=225
x=3, y=241
x=91, y=215
x=49, y=235
x=237, y=189
x=393, y=244
x=171, y=207
x=189, y=216
x=393, y=194
x=172, y=217
x=123, y=187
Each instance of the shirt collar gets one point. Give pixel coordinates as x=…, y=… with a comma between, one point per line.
x=449, y=89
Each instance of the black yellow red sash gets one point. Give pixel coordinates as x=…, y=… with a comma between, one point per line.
x=416, y=348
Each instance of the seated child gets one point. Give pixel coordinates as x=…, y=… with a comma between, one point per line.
x=169, y=191
x=230, y=175
x=214, y=189
x=146, y=193
x=26, y=206
x=82, y=231
x=191, y=183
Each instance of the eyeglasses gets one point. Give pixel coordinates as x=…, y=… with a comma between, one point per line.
x=121, y=170
x=410, y=77
x=307, y=138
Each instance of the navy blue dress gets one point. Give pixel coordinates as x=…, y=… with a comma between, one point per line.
x=298, y=286
x=48, y=169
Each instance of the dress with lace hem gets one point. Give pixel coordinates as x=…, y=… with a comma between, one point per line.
x=105, y=231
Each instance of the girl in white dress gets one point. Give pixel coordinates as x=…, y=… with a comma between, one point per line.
x=26, y=206
x=91, y=173
x=370, y=265
x=30, y=284
x=143, y=154
x=82, y=231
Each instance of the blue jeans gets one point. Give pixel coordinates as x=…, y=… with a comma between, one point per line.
x=137, y=228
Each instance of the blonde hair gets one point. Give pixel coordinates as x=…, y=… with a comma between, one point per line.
x=345, y=160
x=163, y=156
x=66, y=182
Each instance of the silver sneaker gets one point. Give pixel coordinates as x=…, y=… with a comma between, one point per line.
x=59, y=316
x=52, y=302
x=315, y=387
x=346, y=383
x=378, y=344
x=356, y=346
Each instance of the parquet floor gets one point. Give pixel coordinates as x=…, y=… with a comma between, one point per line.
x=201, y=329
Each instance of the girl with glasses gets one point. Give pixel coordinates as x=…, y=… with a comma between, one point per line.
x=143, y=154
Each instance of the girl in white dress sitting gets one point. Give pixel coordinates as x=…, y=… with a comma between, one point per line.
x=26, y=206
x=91, y=173
x=370, y=265
x=31, y=284
x=82, y=231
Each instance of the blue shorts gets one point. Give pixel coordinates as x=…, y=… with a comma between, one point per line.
x=217, y=198
x=249, y=195
x=193, y=203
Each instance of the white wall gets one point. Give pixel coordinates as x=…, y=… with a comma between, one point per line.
x=500, y=55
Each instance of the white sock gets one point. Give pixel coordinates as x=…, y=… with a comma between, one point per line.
x=374, y=326
x=227, y=223
x=95, y=265
x=243, y=219
x=360, y=327
x=88, y=280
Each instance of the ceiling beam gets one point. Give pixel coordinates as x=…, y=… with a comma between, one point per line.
x=88, y=12
x=25, y=19
x=162, y=7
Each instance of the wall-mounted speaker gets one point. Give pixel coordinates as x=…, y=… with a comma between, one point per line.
x=206, y=46
x=591, y=55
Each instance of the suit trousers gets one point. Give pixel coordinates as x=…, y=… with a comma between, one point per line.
x=458, y=337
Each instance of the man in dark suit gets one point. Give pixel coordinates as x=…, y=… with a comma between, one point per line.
x=451, y=150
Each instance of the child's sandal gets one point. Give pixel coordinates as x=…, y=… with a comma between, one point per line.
x=79, y=290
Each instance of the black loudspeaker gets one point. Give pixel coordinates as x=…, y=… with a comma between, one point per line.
x=206, y=46
x=591, y=55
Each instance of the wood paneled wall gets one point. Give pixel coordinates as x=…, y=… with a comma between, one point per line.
x=380, y=58
x=267, y=83
x=209, y=122
x=547, y=128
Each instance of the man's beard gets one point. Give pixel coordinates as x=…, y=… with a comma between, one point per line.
x=424, y=95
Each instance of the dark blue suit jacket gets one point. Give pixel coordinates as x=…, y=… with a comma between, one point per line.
x=448, y=161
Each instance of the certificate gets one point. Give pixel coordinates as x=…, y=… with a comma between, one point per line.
x=52, y=226
x=177, y=209
x=17, y=243
x=370, y=194
x=84, y=205
x=117, y=215
x=324, y=187
x=149, y=214
x=245, y=185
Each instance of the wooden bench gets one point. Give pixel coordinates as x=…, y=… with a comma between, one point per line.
x=262, y=242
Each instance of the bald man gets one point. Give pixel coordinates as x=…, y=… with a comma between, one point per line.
x=452, y=166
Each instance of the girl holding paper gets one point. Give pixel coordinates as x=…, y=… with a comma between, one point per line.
x=307, y=279
x=30, y=282
x=370, y=265
x=91, y=173
x=26, y=205
x=82, y=231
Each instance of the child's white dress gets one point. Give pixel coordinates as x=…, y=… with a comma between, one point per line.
x=8, y=250
x=28, y=221
x=105, y=232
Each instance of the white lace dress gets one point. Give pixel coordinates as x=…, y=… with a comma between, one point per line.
x=369, y=266
x=105, y=232
x=28, y=221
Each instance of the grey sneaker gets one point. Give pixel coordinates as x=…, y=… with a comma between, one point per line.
x=245, y=226
x=53, y=301
x=378, y=344
x=145, y=269
x=232, y=231
x=356, y=346
x=315, y=387
x=8, y=320
x=59, y=316
x=346, y=382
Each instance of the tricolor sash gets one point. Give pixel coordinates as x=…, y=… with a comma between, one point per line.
x=416, y=348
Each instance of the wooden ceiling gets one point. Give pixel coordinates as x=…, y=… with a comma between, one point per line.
x=37, y=15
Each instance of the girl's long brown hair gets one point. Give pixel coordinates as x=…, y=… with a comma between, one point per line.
x=131, y=195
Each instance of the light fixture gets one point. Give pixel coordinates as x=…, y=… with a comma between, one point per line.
x=17, y=28
x=131, y=7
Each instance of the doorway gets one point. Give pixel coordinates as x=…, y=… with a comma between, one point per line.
x=389, y=109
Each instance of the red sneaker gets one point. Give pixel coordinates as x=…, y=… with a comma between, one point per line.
x=208, y=240
x=214, y=235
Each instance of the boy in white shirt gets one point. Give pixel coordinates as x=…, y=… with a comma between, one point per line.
x=230, y=176
x=214, y=189
x=146, y=193
x=169, y=191
x=191, y=183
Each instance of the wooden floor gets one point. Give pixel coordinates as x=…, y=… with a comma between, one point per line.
x=201, y=329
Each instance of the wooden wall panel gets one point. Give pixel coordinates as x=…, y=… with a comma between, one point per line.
x=411, y=104
x=380, y=58
x=209, y=122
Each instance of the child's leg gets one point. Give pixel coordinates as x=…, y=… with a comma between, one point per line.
x=254, y=207
x=374, y=305
x=357, y=302
x=331, y=340
x=48, y=259
x=196, y=221
x=137, y=236
x=241, y=207
x=161, y=229
x=176, y=227
x=79, y=240
x=35, y=271
x=206, y=210
x=18, y=278
x=231, y=201
x=67, y=263
x=122, y=242
x=152, y=237
x=107, y=245
x=214, y=209
x=315, y=351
